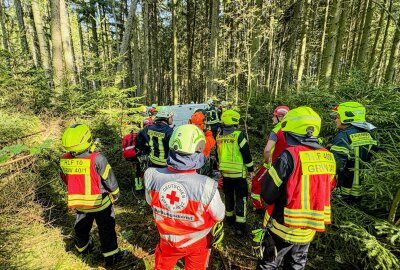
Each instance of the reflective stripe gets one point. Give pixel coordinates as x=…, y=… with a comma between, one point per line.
x=249, y=164
x=104, y=204
x=157, y=161
x=275, y=177
x=233, y=175
x=340, y=149
x=88, y=201
x=244, y=141
x=229, y=213
x=110, y=253
x=192, y=237
x=88, y=184
x=240, y=219
x=266, y=220
x=255, y=196
x=106, y=172
x=294, y=235
x=128, y=148
x=115, y=192
x=82, y=248
x=305, y=192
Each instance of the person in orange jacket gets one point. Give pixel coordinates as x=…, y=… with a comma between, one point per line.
x=198, y=120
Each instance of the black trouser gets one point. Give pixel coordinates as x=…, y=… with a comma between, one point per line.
x=105, y=221
x=214, y=129
x=236, y=188
x=294, y=256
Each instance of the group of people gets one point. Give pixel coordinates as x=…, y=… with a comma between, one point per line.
x=292, y=188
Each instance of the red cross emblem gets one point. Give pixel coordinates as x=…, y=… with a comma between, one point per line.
x=172, y=198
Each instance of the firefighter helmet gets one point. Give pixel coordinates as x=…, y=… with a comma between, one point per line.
x=164, y=113
x=281, y=110
x=198, y=120
x=302, y=121
x=230, y=117
x=187, y=139
x=77, y=138
x=350, y=112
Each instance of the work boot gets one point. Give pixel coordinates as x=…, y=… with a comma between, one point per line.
x=116, y=258
x=241, y=229
x=230, y=221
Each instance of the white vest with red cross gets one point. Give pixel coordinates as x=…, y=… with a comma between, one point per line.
x=180, y=202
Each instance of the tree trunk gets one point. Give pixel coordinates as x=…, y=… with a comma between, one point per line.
x=363, y=53
x=376, y=40
x=174, y=53
x=394, y=53
x=32, y=32
x=213, y=54
x=329, y=52
x=382, y=49
x=287, y=72
x=323, y=36
x=56, y=46
x=303, y=47
x=145, y=15
x=94, y=41
x=129, y=23
x=43, y=43
x=20, y=18
x=67, y=45
x=3, y=27
x=346, y=7
x=358, y=32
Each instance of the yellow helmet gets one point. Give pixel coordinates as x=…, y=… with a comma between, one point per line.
x=187, y=139
x=350, y=112
x=302, y=121
x=230, y=117
x=77, y=138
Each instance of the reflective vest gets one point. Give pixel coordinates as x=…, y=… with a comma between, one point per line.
x=280, y=144
x=357, y=147
x=83, y=181
x=158, y=155
x=212, y=116
x=229, y=155
x=308, y=191
x=179, y=203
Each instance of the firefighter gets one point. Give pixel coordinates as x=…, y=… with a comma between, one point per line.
x=92, y=190
x=351, y=147
x=185, y=205
x=235, y=164
x=198, y=120
x=213, y=116
x=275, y=145
x=299, y=183
x=153, y=140
x=140, y=164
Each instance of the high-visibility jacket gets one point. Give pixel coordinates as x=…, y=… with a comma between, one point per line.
x=351, y=147
x=86, y=191
x=281, y=144
x=231, y=154
x=212, y=116
x=302, y=196
x=181, y=204
x=154, y=140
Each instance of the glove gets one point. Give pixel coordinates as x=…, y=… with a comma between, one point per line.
x=258, y=236
x=217, y=233
x=250, y=175
x=269, y=249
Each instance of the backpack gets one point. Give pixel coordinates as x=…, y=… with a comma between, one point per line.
x=128, y=145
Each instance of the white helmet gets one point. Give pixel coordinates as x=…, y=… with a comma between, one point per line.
x=165, y=113
x=187, y=139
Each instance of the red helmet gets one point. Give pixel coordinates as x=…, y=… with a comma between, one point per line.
x=281, y=110
x=148, y=121
x=152, y=111
x=198, y=120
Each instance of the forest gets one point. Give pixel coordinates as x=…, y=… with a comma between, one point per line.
x=98, y=62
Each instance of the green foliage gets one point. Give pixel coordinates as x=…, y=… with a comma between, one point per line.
x=16, y=125
x=22, y=86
